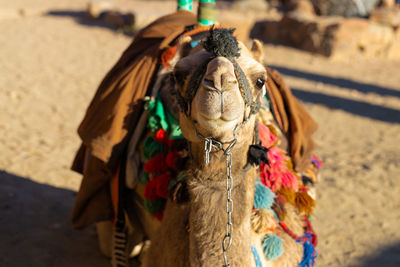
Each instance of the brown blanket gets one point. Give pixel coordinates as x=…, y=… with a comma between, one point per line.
x=115, y=109
x=113, y=113
x=294, y=120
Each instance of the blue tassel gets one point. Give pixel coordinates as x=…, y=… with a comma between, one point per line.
x=272, y=246
x=309, y=251
x=263, y=196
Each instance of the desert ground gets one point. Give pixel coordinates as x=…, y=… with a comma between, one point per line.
x=51, y=62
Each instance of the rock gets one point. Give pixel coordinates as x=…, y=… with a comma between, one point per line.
x=335, y=37
x=96, y=8
x=129, y=19
x=260, y=5
x=387, y=16
x=302, y=6
x=345, y=8
x=387, y=3
x=113, y=18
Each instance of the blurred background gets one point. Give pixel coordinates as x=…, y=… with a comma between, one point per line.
x=340, y=57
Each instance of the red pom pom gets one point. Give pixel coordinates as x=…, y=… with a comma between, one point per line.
x=150, y=190
x=159, y=214
x=267, y=138
x=162, y=185
x=161, y=136
x=170, y=159
x=167, y=55
x=317, y=162
x=156, y=164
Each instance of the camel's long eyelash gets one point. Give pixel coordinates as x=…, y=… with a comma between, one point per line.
x=258, y=80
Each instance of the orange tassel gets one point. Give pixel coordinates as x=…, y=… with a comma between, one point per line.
x=288, y=194
x=304, y=202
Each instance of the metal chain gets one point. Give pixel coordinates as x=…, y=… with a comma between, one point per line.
x=227, y=241
x=209, y=144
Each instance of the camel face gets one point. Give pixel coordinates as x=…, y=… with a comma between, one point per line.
x=218, y=108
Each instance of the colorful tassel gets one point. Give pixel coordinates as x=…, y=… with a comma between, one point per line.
x=171, y=158
x=304, y=202
x=279, y=169
x=288, y=194
x=154, y=206
x=161, y=136
x=263, y=196
x=156, y=164
x=267, y=138
x=159, y=214
x=309, y=251
x=317, y=162
x=279, y=209
x=162, y=183
x=290, y=180
x=150, y=190
x=167, y=55
x=151, y=148
x=272, y=246
x=262, y=221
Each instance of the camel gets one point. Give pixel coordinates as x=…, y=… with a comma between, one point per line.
x=217, y=168
x=210, y=217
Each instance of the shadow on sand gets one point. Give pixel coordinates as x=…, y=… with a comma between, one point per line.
x=35, y=228
x=388, y=257
x=81, y=18
x=341, y=82
x=352, y=106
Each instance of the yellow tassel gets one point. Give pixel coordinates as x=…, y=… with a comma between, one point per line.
x=288, y=194
x=262, y=221
x=304, y=202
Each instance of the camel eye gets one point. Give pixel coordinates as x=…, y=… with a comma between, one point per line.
x=260, y=83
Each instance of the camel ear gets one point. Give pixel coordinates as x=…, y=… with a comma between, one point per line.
x=184, y=45
x=257, y=50
x=181, y=50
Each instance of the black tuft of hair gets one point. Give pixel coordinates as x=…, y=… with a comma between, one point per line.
x=221, y=43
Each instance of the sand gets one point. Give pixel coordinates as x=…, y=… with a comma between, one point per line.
x=52, y=61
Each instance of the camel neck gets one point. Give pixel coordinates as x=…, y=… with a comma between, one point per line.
x=208, y=218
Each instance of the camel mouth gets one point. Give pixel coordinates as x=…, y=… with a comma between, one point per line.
x=219, y=128
x=217, y=117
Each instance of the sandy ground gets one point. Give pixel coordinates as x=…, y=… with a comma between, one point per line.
x=51, y=63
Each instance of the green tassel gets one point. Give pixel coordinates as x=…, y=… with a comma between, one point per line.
x=154, y=205
x=151, y=148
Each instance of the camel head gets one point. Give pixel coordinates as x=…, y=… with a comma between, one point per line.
x=220, y=85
